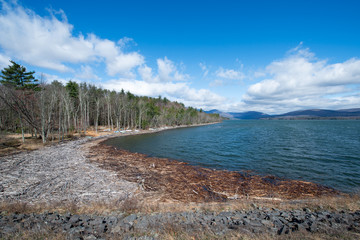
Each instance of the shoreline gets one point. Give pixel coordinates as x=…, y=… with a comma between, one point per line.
x=175, y=181
x=171, y=180
x=124, y=133
x=83, y=188
x=203, y=184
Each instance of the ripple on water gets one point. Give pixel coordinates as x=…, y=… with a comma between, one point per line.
x=326, y=152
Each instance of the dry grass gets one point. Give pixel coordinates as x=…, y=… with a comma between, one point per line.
x=12, y=143
x=172, y=233
x=134, y=205
x=338, y=203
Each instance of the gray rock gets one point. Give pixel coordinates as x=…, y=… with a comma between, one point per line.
x=266, y=223
x=283, y=230
x=74, y=219
x=90, y=237
x=130, y=218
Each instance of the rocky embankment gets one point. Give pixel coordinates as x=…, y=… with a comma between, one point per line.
x=149, y=226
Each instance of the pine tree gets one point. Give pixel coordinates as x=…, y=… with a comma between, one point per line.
x=73, y=89
x=15, y=76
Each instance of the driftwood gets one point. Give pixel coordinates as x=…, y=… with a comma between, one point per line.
x=59, y=173
x=170, y=180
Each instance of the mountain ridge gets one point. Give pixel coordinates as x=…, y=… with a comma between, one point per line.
x=298, y=114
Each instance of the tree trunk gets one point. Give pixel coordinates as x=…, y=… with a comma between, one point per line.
x=22, y=129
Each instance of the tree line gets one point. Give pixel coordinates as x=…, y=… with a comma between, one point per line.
x=53, y=110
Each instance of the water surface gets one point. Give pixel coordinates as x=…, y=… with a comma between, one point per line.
x=325, y=152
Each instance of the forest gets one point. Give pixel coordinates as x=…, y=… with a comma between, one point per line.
x=54, y=110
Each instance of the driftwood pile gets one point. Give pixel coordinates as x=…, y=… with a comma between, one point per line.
x=178, y=181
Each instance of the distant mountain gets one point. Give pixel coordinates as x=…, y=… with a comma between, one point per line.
x=320, y=113
x=249, y=115
x=241, y=115
x=222, y=114
x=301, y=114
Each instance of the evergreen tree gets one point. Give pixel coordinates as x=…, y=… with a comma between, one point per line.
x=73, y=89
x=16, y=76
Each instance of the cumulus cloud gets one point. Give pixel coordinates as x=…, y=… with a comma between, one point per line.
x=146, y=74
x=168, y=82
x=4, y=61
x=124, y=63
x=125, y=42
x=49, y=42
x=87, y=73
x=45, y=42
x=176, y=91
x=302, y=81
x=49, y=78
x=168, y=72
x=229, y=74
x=226, y=77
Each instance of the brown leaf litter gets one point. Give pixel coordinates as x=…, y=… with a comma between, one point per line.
x=168, y=180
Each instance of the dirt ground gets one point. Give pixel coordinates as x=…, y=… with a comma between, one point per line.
x=11, y=143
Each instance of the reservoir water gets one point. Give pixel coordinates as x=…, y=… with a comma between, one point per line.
x=321, y=151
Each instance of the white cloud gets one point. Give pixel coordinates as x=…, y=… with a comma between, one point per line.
x=86, y=73
x=168, y=72
x=49, y=43
x=124, y=63
x=125, y=41
x=301, y=81
x=45, y=42
x=217, y=83
x=227, y=77
x=49, y=78
x=205, y=69
x=179, y=91
x=259, y=74
x=170, y=83
x=230, y=74
x=4, y=61
x=146, y=74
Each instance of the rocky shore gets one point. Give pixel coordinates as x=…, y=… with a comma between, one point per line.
x=271, y=222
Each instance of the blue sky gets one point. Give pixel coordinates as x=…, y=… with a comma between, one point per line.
x=270, y=56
